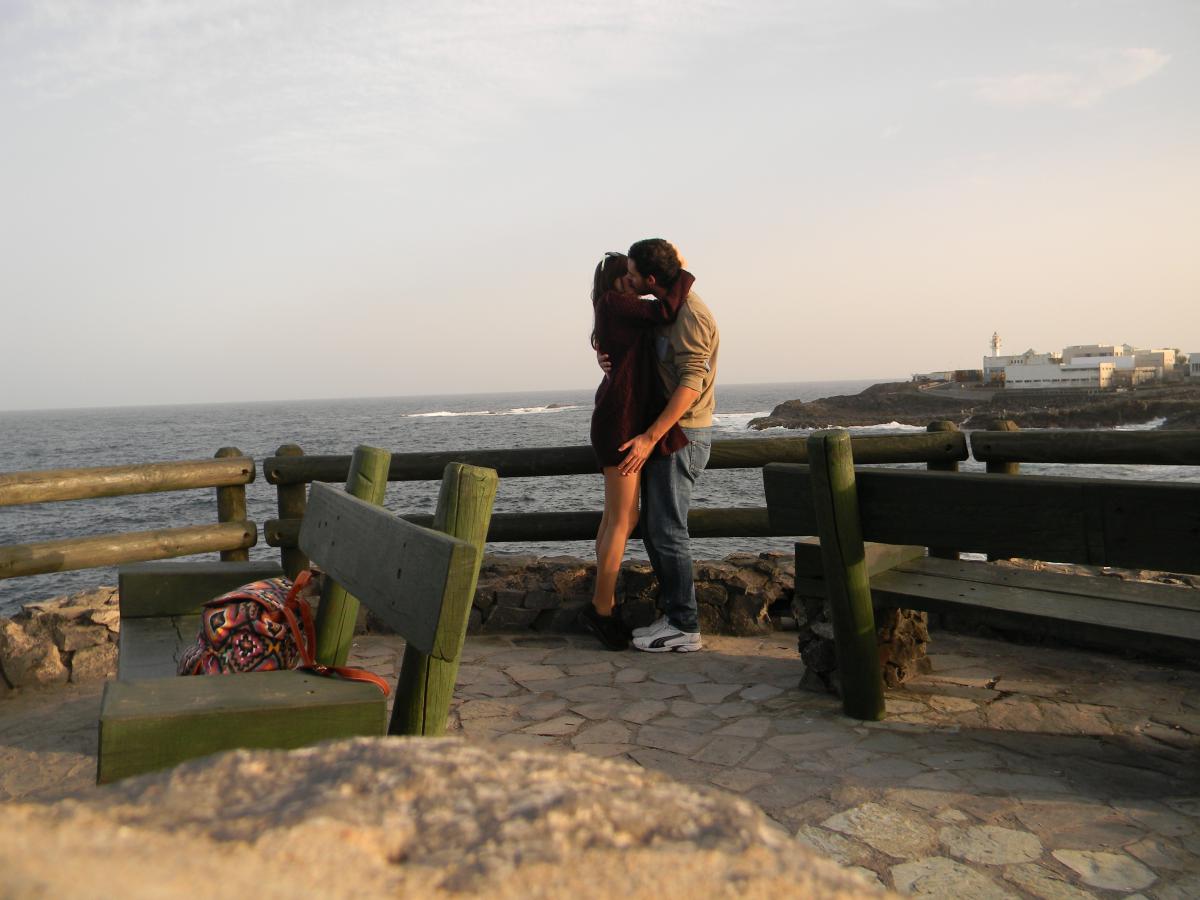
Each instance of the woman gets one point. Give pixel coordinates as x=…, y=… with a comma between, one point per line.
x=628, y=401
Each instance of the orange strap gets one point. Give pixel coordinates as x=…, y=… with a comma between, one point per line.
x=306, y=639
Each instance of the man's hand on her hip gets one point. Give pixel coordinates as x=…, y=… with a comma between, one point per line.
x=639, y=449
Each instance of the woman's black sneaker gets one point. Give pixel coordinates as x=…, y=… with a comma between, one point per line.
x=610, y=630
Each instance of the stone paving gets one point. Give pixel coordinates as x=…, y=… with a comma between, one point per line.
x=1008, y=771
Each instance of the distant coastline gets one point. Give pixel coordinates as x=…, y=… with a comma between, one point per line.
x=1173, y=406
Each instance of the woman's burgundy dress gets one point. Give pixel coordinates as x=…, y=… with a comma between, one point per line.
x=630, y=397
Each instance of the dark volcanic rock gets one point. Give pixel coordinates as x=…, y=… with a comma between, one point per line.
x=909, y=404
x=903, y=402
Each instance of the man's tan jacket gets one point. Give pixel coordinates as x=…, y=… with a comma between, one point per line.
x=687, y=355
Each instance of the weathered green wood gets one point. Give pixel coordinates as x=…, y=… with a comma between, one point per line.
x=291, y=499
x=117, y=481
x=536, y=461
x=151, y=648
x=1003, y=467
x=942, y=427
x=935, y=593
x=569, y=526
x=156, y=723
x=1135, y=592
x=426, y=684
x=877, y=557
x=848, y=587
x=1166, y=448
x=231, y=506
x=113, y=549
x=399, y=570
x=1132, y=524
x=338, y=610
x=179, y=588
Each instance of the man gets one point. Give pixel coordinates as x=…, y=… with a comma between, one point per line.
x=687, y=368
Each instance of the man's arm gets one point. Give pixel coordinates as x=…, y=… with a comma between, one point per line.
x=642, y=446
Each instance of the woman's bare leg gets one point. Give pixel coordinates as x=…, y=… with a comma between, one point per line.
x=620, y=518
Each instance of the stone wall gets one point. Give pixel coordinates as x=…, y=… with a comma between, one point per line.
x=60, y=640
x=74, y=638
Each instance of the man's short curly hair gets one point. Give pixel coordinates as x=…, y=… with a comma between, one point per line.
x=657, y=257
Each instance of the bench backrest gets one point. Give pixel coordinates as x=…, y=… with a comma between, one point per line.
x=1129, y=524
x=405, y=574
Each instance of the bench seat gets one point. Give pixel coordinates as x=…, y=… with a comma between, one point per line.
x=1089, y=609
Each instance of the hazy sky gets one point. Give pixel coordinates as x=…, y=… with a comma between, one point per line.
x=211, y=200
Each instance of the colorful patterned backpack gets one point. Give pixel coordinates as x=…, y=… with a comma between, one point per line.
x=262, y=627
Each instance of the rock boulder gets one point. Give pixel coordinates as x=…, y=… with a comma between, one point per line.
x=408, y=817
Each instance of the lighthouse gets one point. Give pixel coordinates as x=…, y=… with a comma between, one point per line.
x=995, y=343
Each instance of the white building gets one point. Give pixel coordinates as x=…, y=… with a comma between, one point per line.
x=1194, y=365
x=1030, y=377
x=995, y=366
x=1077, y=351
x=1163, y=360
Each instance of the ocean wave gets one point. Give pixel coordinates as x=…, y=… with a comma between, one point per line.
x=884, y=426
x=1142, y=426
x=515, y=411
x=736, y=421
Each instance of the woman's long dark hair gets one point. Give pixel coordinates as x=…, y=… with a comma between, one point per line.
x=608, y=271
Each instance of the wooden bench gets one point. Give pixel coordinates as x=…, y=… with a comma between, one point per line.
x=420, y=582
x=1101, y=522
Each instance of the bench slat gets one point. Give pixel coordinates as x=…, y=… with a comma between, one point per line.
x=150, y=648
x=1150, y=594
x=400, y=571
x=1129, y=524
x=936, y=594
x=160, y=722
x=180, y=588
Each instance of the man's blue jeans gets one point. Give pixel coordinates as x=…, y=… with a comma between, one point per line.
x=667, y=483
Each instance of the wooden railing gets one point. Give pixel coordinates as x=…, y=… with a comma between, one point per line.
x=1002, y=448
x=232, y=535
x=290, y=470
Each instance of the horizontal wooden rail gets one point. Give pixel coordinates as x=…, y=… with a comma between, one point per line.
x=112, y=549
x=84, y=484
x=570, y=526
x=1169, y=448
x=542, y=461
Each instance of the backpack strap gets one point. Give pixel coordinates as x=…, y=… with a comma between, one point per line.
x=300, y=621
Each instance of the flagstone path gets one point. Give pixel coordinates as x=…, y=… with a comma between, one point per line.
x=1008, y=771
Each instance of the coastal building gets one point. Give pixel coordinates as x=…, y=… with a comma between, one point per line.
x=1193, y=369
x=995, y=367
x=1050, y=375
x=1081, y=351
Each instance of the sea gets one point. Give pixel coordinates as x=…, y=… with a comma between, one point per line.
x=60, y=439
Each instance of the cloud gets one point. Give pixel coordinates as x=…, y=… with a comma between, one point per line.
x=1091, y=78
x=340, y=85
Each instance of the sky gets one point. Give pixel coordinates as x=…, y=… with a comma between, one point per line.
x=225, y=200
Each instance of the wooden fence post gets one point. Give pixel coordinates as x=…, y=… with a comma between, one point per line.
x=231, y=506
x=942, y=466
x=338, y=611
x=1003, y=468
x=843, y=555
x=426, y=684
x=291, y=502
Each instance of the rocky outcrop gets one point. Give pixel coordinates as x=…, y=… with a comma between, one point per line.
x=907, y=403
x=377, y=817
x=59, y=640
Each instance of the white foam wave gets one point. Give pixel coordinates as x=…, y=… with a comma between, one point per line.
x=736, y=421
x=515, y=411
x=1142, y=426
x=885, y=426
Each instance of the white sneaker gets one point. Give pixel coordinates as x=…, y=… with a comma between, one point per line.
x=657, y=625
x=668, y=639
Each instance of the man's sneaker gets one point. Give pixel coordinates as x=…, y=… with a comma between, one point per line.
x=609, y=630
x=668, y=639
x=657, y=625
